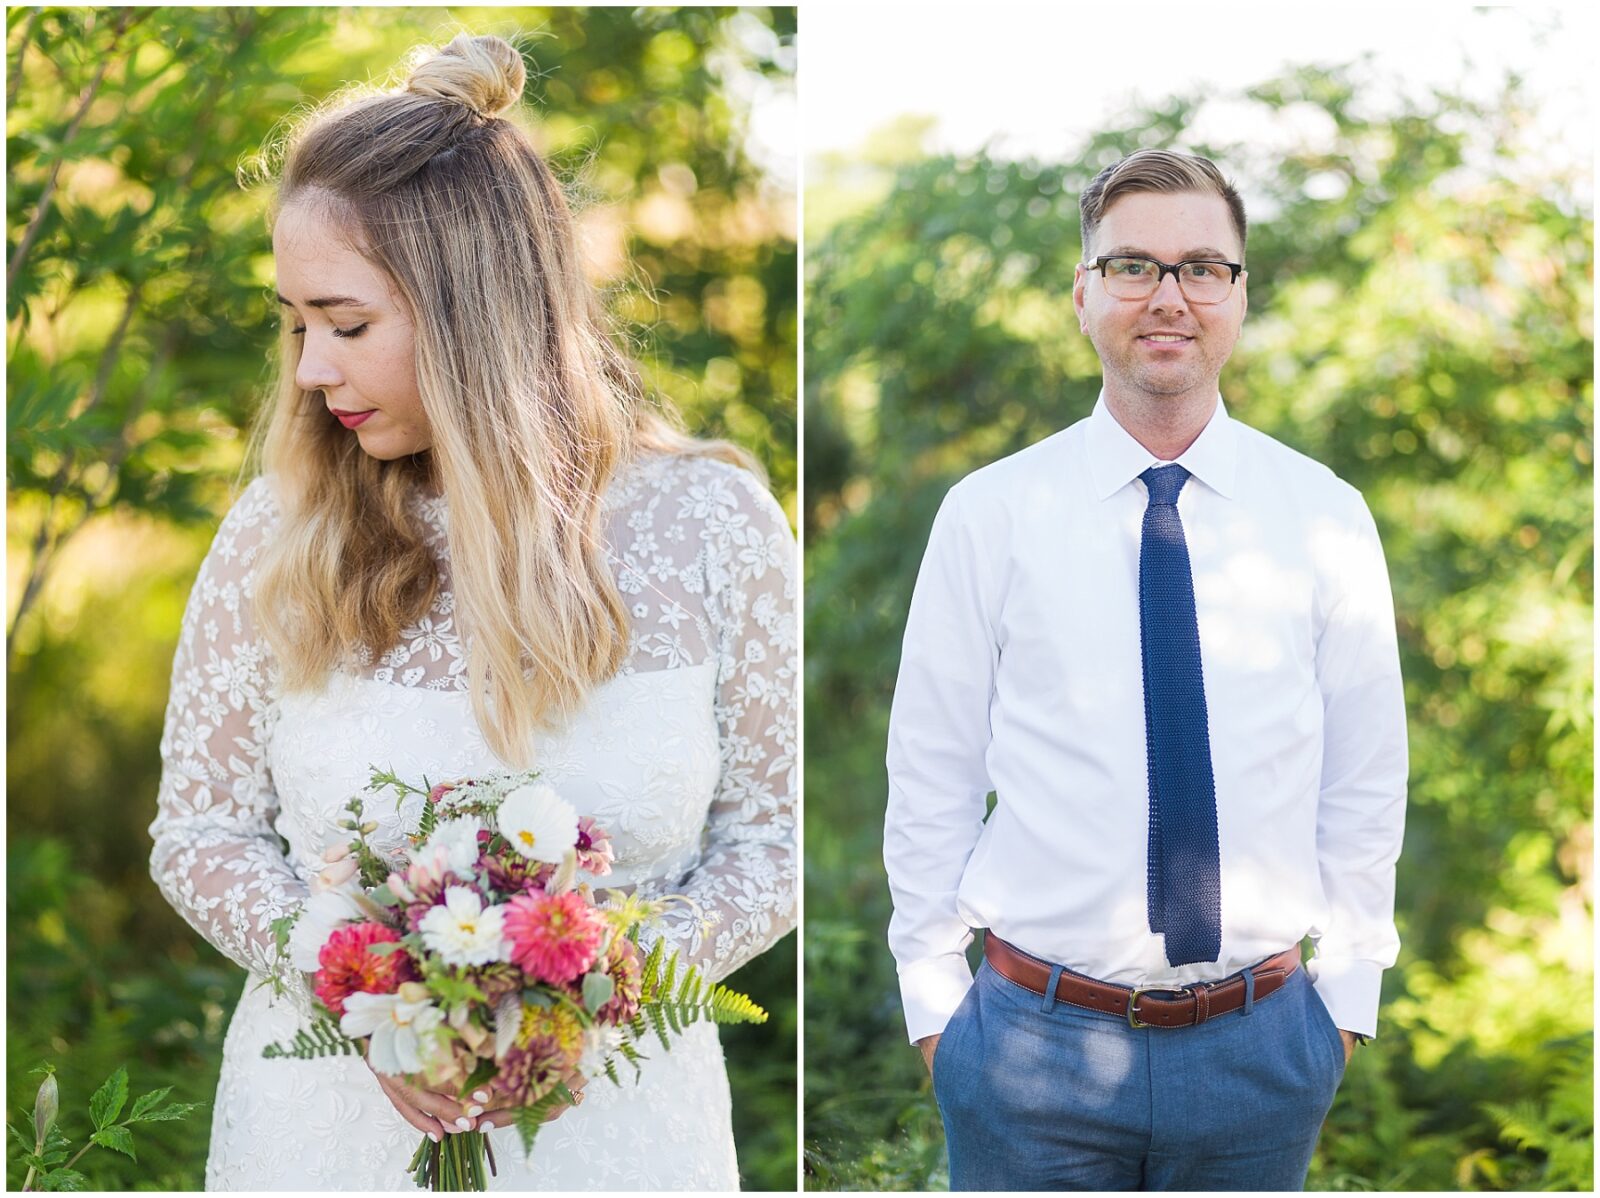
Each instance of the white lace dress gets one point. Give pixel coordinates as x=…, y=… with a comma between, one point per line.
x=687, y=757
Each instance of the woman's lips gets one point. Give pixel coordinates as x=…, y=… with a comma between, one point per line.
x=351, y=419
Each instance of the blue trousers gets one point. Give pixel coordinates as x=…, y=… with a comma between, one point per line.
x=1041, y=1095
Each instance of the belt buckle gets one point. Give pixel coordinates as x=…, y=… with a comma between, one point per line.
x=1133, y=996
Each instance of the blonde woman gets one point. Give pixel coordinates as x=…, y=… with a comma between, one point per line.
x=472, y=545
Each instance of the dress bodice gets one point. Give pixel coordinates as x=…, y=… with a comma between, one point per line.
x=686, y=757
x=642, y=758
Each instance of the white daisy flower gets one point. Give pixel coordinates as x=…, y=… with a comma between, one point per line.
x=538, y=823
x=456, y=840
x=463, y=931
x=599, y=1045
x=397, y=1024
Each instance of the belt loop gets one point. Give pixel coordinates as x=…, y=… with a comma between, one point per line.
x=1050, y=989
x=1249, y=989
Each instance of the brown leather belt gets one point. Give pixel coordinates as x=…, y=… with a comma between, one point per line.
x=1141, y=1007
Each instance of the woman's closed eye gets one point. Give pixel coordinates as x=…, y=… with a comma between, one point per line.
x=355, y=332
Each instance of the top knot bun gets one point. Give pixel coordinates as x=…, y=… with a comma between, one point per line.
x=484, y=73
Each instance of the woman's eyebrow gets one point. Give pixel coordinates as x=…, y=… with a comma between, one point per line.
x=329, y=301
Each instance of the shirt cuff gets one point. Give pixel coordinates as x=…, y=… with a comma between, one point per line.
x=931, y=990
x=1349, y=989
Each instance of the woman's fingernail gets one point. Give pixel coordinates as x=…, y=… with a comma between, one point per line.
x=474, y=1111
x=486, y=1125
x=434, y=1136
x=480, y=1095
x=464, y=1123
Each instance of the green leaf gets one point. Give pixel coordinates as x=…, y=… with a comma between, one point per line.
x=116, y=1137
x=62, y=1180
x=597, y=991
x=483, y=1073
x=107, y=1102
x=145, y=1103
x=281, y=927
x=145, y=1109
x=56, y=1149
x=178, y=1110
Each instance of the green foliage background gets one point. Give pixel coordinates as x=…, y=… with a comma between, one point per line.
x=1425, y=328
x=140, y=318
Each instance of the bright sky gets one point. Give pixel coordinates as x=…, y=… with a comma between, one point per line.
x=1034, y=78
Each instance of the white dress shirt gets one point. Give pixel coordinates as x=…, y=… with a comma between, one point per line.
x=1021, y=675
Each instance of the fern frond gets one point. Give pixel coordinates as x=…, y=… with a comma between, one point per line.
x=650, y=970
x=430, y=818
x=716, y=1003
x=657, y=1024
x=689, y=991
x=529, y=1119
x=322, y=1039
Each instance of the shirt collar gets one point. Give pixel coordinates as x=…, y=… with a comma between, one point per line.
x=1116, y=459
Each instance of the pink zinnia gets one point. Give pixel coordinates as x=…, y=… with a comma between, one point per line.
x=347, y=966
x=554, y=937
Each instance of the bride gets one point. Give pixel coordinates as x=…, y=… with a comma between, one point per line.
x=472, y=546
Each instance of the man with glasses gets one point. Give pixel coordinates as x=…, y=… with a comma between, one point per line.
x=1166, y=643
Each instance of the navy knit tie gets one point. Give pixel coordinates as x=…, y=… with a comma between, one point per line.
x=1185, y=890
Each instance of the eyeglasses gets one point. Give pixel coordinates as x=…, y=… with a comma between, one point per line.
x=1132, y=277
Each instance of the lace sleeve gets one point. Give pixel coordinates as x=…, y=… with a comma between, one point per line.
x=744, y=885
x=216, y=857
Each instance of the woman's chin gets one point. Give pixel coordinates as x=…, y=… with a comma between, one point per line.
x=391, y=448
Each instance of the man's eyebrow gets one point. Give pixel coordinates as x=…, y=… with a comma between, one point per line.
x=1205, y=251
x=329, y=301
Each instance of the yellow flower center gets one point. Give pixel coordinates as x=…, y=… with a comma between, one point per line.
x=526, y=837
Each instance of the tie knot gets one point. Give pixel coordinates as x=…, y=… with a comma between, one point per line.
x=1164, y=482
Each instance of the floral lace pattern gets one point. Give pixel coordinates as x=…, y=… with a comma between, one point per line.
x=689, y=754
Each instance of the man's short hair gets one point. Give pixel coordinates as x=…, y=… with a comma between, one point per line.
x=1165, y=171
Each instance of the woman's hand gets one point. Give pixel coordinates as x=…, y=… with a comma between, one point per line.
x=433, y=1114
x=501, y=1116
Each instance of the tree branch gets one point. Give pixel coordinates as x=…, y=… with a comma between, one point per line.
x=124, y=20
x=22, y=52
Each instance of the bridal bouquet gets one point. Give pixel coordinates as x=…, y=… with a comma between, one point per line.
x=481, y=956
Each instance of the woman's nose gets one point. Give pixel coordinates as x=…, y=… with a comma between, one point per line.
x=316, y=371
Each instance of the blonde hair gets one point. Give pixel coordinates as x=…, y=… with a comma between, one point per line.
x=1166, y=171
x=533, y=408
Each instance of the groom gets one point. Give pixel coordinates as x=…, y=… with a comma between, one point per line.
x=1166, y=643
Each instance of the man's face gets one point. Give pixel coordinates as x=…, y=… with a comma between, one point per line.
x=1171, y=228
x=360, y=352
